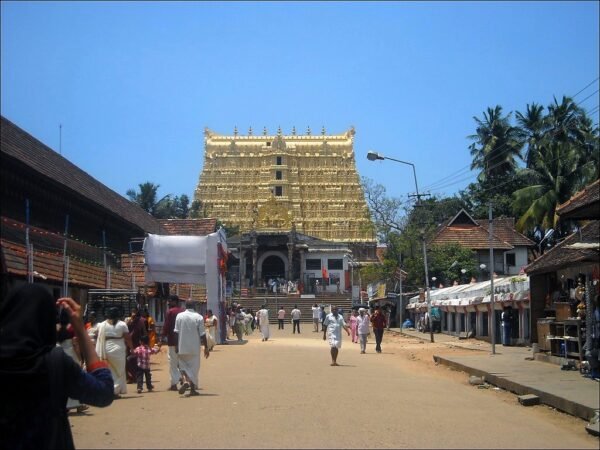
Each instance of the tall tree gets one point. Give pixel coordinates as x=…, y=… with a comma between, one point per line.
x=168, y=207
x=531, y=128
x=145, y=198
x=496, y=145
x=564, y=161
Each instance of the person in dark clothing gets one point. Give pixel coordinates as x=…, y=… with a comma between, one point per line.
x=378, y=322
x=137, y=329
x=37, y=377
x=168, y=334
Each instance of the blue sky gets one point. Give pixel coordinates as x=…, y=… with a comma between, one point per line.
x=134, y=83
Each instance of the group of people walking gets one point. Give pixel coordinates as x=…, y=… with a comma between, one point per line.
x=43, y=380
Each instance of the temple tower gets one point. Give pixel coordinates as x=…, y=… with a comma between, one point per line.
x=269, y=183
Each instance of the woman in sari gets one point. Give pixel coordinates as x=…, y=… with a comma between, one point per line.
x=151, y=326
x=210, y=322
x=111, y=346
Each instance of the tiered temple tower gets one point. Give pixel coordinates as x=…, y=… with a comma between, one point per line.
x=271, y=183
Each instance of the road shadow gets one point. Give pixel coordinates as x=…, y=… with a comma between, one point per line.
x=200, y=394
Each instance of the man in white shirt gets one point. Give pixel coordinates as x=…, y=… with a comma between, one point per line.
x=189, y=325
x=263, y=322
x=333, y=323
x=363, y=320
x=280, y=317
x=316, y=314
x=296, y=319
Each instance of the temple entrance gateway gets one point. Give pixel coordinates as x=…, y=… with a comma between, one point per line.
x=273, y=267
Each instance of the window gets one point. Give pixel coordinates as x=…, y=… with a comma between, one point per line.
x=510, y=259
x=335, y=264
x=313, y=264
x=278, y=191
x=268, y=144
x=279, y=160
x=278, y=175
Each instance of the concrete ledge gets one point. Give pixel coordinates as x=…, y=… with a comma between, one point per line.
x=560, y=403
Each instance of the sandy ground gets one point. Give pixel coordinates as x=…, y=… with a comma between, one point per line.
x=284, y=394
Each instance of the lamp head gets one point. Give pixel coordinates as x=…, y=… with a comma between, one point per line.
x=374, y=156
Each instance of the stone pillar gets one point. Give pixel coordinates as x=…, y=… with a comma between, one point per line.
x=254, y=246
x=242, y=267
x=254, y=264
x=290, y=247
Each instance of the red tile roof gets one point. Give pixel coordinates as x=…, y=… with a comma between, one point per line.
x=473, y=237
x=86, y=268
x=49, y=266
x=504, y=228
x=562, y=255
x=188, y=227
x=471, y=233
x=583, y=205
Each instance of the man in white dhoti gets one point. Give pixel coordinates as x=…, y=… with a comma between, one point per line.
x=333, y=323
x=263, y=322
x=189, y=326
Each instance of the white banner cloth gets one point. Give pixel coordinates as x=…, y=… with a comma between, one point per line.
x=176, y=259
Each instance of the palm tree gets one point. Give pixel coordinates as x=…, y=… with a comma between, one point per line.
x=553, y=181
x=564, y=160
x=146, y=197
x=532, y=126
x=496, y=145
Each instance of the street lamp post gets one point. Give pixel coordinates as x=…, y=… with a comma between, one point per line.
x=374, y=156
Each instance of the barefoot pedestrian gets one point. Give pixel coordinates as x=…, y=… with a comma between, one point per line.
x=189, y=326
x=333, y=323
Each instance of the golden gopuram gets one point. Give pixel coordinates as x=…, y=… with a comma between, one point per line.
x=298, y=203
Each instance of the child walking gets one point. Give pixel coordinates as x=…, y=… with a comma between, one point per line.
x=143, y=353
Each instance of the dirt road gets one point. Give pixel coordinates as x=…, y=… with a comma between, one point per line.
x=284, y=394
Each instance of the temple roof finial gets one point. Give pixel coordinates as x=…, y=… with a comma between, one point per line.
x=264, y=131
x=308, y=131
x=235, y=131
x=293, y=131
x=323, y=130
x=250, y=131
x=279, y=130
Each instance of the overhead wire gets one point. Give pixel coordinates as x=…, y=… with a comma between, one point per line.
x=437, y=186
x=512, y=177
x=467, y=168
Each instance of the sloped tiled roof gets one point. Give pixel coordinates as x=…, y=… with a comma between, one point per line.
x=18, y=145
x=583, y=205
x=475, y=238
x=471, y=233
x=49, y=266
x=86, y=267
x=188, y=227
x=562, y=256
x=504, y=228
x=133, y=265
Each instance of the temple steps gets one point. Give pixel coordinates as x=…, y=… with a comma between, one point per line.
x=275, y=302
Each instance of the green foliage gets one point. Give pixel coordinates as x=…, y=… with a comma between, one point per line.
x=562, y=159
x=496, y=145
x=167, y=207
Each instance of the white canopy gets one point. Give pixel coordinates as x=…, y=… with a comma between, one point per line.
x=189, y=260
